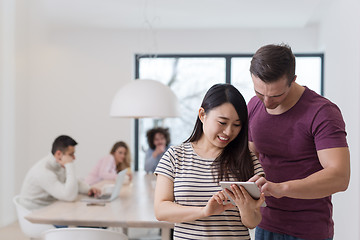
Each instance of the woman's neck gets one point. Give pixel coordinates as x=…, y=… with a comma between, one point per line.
x=205, y=149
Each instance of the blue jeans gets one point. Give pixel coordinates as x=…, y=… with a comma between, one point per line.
x=61, y=226
x=261, y=234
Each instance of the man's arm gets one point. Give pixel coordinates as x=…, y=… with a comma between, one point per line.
x=66, y=191
x=333, y=178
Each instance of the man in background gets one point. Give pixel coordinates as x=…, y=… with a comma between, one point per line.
x=53, y=177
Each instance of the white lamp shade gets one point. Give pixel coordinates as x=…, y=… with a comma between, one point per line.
x=145, y=99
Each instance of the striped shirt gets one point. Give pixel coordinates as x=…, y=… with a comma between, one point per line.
x=194, y=185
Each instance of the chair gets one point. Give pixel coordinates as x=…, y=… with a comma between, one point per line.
x=82, y=234
x=31, y=230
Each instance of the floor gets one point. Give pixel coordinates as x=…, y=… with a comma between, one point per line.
x=13, y=232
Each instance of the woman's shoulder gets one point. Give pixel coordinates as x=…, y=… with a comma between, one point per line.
x=107, y=158
x=183, y=148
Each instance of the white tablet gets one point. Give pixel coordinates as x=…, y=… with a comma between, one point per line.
x=250, y=187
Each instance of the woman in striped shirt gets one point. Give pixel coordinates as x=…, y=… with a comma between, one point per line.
x=188, y=192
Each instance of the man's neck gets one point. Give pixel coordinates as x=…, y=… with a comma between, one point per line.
x=293, y=97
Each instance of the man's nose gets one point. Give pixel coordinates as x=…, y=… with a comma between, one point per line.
x=267, y=100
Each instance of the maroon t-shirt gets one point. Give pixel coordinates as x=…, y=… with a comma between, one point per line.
x=287, y=145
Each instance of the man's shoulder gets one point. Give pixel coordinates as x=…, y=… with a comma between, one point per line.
x=254, y=101
x=314, y=97
x=46, y=166
x=40, y=163
x=254, y=106
x=317, y=102
x=38, y=172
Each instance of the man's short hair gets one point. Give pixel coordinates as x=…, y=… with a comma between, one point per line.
x=62, y=143
x=272, y=62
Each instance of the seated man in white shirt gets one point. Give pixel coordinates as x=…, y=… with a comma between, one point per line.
x=53, y=177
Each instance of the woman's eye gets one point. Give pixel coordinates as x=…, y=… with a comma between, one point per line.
x=222, y=123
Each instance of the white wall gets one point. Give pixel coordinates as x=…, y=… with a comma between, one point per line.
x=74, y=74
x=340, y=39
x=7, y=105
x=66, y=78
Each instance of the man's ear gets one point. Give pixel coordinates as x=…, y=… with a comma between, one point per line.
x=201, y=114
x=58, y=154
x=294, y=79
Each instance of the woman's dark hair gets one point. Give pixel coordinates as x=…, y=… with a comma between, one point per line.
x=61, y=143
x=150, y=134
x=235, y=158
x=272, y=62
x=125, y=164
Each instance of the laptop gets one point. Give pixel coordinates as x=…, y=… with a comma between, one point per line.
x=109, y=197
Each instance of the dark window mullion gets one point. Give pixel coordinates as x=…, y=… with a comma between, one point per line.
x=228, y=69
x=136, y=123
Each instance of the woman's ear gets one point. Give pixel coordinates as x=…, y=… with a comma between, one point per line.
x=201, y=114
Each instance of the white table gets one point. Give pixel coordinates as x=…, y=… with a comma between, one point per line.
x=134, y=208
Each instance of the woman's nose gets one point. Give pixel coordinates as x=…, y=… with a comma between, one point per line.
x=227, y=130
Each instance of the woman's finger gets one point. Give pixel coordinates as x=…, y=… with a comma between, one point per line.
x=229, y=193
x=223, y=195
x=237, y=191
x=217, y=199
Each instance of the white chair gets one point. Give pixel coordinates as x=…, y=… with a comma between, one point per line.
x=31, y=230
x=82, y=234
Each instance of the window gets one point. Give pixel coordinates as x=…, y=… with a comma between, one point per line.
x=190, y=76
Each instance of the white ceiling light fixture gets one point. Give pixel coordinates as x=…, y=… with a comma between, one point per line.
x=144, y=98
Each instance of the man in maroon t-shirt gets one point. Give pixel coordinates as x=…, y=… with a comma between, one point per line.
x=300, y=140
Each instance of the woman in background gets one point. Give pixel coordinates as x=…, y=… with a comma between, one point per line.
x=158, y=140
x=108, y=167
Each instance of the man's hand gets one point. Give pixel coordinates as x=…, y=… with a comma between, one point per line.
x=271, y=189
x=94, y=192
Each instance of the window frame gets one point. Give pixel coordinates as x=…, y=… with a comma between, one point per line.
x=227, y=58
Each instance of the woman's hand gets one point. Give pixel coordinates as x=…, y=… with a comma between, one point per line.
x=215, y=205
x=242, y=198
x=249, y=208
x=159, y=149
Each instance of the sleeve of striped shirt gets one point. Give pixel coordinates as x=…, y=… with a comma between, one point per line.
x=166, y=164
x=258, y=170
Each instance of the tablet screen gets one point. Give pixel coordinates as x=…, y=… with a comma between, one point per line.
x=250, y=187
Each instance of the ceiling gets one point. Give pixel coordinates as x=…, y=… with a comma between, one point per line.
x=183, y=14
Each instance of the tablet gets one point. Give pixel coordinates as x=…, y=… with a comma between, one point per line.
x=250, y=187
